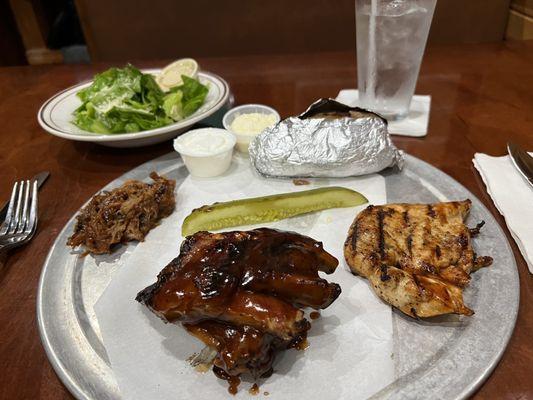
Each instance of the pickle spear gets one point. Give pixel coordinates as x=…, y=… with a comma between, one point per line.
x=257, y=210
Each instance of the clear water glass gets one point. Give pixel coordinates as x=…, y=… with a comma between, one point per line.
x=391, y=37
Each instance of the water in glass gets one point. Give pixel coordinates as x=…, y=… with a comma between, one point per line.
x=391, y=37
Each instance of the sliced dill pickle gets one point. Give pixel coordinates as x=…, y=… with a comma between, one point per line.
x=257, y=210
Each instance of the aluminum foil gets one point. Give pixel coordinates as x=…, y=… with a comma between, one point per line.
x=330, y=139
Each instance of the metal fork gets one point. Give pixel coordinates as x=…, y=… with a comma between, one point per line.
x=21, y=217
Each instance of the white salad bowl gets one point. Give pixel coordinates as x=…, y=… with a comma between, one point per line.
x=55, y=116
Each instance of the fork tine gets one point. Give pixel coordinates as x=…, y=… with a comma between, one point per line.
x=16, y=216
x=23, y=219
x=9, y=214
x=32, y=222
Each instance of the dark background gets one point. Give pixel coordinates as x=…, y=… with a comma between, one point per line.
x=122, y=30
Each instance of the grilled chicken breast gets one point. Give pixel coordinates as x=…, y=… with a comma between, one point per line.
x=417, y=257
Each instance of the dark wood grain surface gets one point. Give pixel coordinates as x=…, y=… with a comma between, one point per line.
x=482, y=96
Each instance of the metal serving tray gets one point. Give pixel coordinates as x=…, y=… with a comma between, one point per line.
x=443, y=358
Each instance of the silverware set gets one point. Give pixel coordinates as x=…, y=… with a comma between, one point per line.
x=21, y=217
x=21, y=213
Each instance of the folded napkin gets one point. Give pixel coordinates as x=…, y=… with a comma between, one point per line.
x=416, y=122
x=513, y=198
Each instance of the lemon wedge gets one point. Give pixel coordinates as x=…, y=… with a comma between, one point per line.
x=170, y=76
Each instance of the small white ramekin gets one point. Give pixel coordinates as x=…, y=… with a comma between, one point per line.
x=243, y=141
x=206, y=165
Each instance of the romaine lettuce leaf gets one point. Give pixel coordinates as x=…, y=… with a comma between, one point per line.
x=172, y=104
x=125, y=100
x=194, y=94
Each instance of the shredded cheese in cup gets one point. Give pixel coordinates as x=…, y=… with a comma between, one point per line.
x=248, y=125
x=252, y=123
x=247, y=121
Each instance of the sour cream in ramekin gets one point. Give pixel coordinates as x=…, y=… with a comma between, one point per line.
x=206, y=152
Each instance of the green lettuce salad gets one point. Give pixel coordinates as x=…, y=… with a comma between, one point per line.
x=123, y=100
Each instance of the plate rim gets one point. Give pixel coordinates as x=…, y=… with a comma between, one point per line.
x=92, y=137
x=66, y=376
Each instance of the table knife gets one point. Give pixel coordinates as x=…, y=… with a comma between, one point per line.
x=41, y=177
x=522, y=161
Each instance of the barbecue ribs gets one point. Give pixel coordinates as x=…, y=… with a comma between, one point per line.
x=417, y=257
x=241, y=292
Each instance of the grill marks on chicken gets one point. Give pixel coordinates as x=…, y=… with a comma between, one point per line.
x=123, y=214
x=241, y=292
x=417, y=257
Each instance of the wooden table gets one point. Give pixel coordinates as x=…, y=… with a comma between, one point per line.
x=482, y=96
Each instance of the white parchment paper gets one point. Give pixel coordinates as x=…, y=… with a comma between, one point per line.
x=350, y=345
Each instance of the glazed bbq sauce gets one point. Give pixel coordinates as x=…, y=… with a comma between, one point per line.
x=301, y=344
x=234, y=381
x=243, y=345
x=263, y=261
x=300, y=182
x=254, y=389
x=238, y=346
x=240, y=349
x=230, y=257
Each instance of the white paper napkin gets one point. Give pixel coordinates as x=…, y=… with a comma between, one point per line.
x=350, y=352
x=513, y=198
x=416, y=122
